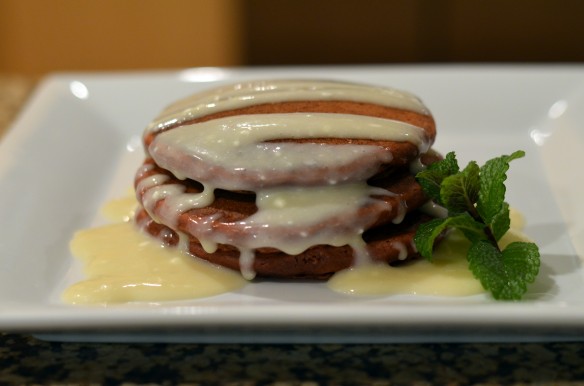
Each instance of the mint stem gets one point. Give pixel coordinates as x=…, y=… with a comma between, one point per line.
x=491, y=237
x=487, y=229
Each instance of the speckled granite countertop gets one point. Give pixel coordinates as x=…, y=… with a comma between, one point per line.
x=27, y=360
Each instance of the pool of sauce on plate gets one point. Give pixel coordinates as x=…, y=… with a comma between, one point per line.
x=124, y=265
x=446, y=275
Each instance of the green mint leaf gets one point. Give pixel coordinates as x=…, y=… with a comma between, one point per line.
x=492, y=186
x=523, y=258
x=505, y=274
x=475, y=199
x=501, y=222
x=431, y=178
x=426, y=235
x=459, y=192
x=428, y=232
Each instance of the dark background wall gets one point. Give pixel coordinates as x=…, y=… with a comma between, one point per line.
x=381, y=31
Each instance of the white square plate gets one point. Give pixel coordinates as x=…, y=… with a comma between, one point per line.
x=77, y=144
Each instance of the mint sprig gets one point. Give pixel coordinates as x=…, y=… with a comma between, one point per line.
x=475, y=200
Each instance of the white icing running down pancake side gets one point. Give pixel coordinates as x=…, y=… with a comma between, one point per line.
x=291, y=219
x=271, y=91
x=234, y=153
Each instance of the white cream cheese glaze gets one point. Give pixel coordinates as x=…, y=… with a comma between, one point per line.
x=291, y=219
x=123, y=265
x=284, y=90
x=233, y=153
x=446, y=275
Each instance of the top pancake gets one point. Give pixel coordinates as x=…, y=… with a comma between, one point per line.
x=406, y=135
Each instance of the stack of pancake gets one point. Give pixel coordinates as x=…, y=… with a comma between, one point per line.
x=287, y=178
